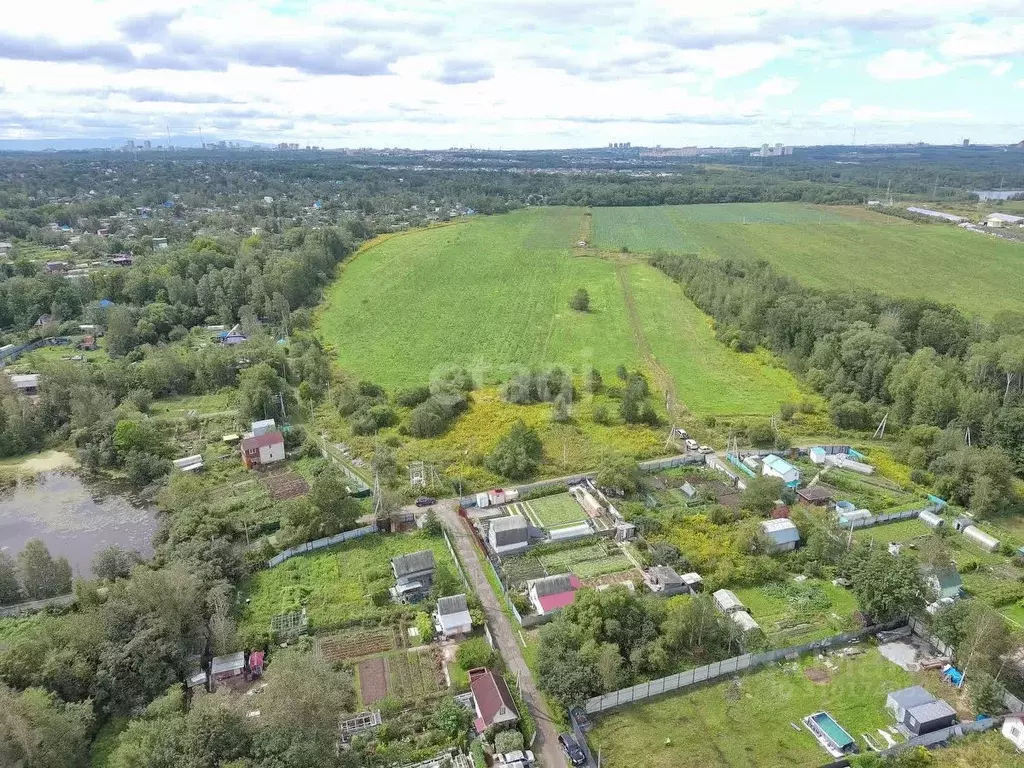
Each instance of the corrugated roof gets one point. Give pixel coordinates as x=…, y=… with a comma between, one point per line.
x=510, y=530
x=413, y=563
x=931, y=711
x=491, y=695
x=778, y=464
x=815, y=493
x=781, y=531
x=914, y=696
x=454, y=604
x=552, y=585
x=665, y=574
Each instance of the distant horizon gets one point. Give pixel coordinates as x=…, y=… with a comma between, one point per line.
x=115, y=143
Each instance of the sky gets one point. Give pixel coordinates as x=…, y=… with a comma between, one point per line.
x=515, y=74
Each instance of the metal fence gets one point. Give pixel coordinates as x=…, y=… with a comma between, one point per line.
x=36, y=605
x=455, y=558
x=330, y=541
x=653, y=465
x=722, y=668
x=920, y=628
x=889, y=517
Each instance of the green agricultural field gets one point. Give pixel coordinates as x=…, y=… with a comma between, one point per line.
x=492, y=294
x=708, y=377
x=746, y=721
x=829, y=247
x=333, y=584
x=552, y=511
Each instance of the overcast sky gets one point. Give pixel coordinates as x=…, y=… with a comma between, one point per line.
x=515, y=73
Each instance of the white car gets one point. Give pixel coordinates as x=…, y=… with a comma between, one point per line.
x=705, y=449
x=691, y=445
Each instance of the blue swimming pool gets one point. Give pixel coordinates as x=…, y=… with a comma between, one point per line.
x=831, y=729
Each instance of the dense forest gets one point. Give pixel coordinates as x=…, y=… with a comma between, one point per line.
x=936, y=373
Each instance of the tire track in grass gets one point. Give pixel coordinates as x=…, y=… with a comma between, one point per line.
x=662, y=378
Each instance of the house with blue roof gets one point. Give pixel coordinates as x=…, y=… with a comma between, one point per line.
x=776, y=466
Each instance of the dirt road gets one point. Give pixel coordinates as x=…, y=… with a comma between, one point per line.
x=545, y=748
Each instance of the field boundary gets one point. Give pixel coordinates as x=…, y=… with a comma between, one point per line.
x=330, y=541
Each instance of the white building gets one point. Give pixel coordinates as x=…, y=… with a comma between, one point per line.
x=745, y=621
x=783, y=534
x=776, y=466
x=452, y=616
x=1013, y=729
x=1002, y=220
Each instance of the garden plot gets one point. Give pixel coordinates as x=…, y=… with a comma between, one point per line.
x=414, y=675
x=791, y=613
x=285, y=485
x=587, y=561
x=334, y=585
x=902, y=531
x=753, y=719
x=355, y=644
x=554, y=511
x=373, y=680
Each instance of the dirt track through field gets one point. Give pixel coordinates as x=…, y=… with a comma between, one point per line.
x=662, y=379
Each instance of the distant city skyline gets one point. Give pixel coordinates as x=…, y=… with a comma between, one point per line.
x=516, y=74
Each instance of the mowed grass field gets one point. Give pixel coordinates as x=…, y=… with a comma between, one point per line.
x=745, y=722
x=826, y=247
x=492, y=294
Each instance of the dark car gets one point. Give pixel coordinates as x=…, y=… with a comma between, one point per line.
x=572, y=749
x=425, y=501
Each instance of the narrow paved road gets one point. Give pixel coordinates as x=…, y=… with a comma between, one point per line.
x=545, y=748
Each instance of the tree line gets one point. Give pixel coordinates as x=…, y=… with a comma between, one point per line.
x=933, y=370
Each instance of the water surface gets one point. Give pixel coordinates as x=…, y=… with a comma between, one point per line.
x=74, y=519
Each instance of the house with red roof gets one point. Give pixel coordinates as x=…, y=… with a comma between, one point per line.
x=262, y=449
x=553, y=593
x=492, y=699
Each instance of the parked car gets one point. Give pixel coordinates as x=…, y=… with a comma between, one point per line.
x=425, y=501
x=681, y=434
x=705, y=449
x=692, y=445
x=572, y=749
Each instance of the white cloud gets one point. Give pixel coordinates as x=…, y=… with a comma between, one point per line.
x=899, y=64
x=778, y=86
x=386, y=72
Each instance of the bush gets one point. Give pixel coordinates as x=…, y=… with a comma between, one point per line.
x=425, y=626
x=580, y=300
x=474, y=653
x=601, y=415
x=508, y=741
x=413, y=396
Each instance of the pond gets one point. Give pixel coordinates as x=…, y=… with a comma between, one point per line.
x=998, y=194
x=72, y=518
